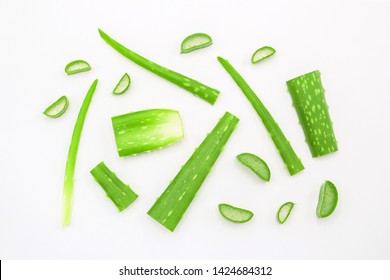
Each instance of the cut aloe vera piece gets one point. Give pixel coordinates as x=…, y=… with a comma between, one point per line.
x=262, y=54
x=120, y=194
x=256, y=164
x=195, y=41
x=308, y=97
x=146, y=130
x=235, y=214
x=123, y=85
x=327, y=200
x=77, y=66
x=58, y=108
x=284, y=212
x=170, y=207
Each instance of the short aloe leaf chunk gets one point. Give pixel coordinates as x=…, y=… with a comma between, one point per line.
x=327, y=200
x=256, y=164
x=120, y=194
x=195, y=41
x=235, y=214
x=147, y=130
x=284, y=212
x=170, y=207
x=58, y=108
x=308, y=97
x=123, y=85
x=77, y=66
x=262, y=54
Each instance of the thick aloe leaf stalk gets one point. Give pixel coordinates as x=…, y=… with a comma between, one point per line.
x=146, y=130
x=172, y=204
x=308, y=97
x=120, y=194
x=290, y=158
x=198, y=89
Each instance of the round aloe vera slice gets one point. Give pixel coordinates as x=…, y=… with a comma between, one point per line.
x=235, y=214
x=77, y=66
x=284, y=212
x=262, y=53
x=123, y=85
x=195, y=41
x=256, y=164
x=327, y=200
x=58, y=108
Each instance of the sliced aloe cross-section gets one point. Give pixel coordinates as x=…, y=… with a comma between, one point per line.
x=77, y=66
x=195, y=41
x=58, y=108
x=284, y=212
x=235, y=214
x=123, y=85
x=262, y=54
x=256, y=164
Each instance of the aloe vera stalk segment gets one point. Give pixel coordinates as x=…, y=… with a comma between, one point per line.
x=195, y=41
x=308, y=97
x=262, y=54
x=170, y=207
x=72, y=154
x=290, y=158
x=284, y=212
x=235, y=214
x=123, y=85
x=77, y=66
x=58, y=108
x=146, y=130
x=198, y=89
x=256, y=164
x=120, y=194
x=327, y=200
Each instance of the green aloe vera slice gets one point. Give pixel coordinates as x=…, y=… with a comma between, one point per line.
x=256, y=164
x=195, y=41
x=262, y=54
x=77, y=66
x=123, y=85
x=284, y=212
x=327, y=200
x=235, y=214
x=58, y=108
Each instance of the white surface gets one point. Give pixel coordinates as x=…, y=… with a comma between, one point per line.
x=348, y=43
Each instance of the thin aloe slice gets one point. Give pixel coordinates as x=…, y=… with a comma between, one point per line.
x=284, y=212
x=196, y=88
x=170, y=207
x=256, y=164
x=262, y=54
x=147, y=130
x=77, y=66
x=290, y=158
x=308, y=97
x=72, y=154
x=58, y=108
x=235, y=214
x=327, y=200
x=120, y=194
x=195, y=41
x=123, y=85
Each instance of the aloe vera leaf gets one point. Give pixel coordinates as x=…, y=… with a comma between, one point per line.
x=256, y=164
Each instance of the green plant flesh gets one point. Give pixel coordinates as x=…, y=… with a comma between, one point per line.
x=291, y=160
x=170, y=207
x=327, y=200
x=146, y=130
x=198, y=89
x=256, y=164
x=262, y=53
x=58, y=108
x=71, y=161
x=308, y=97
x=120, y=193
x=123, y=85
x=235, y=214
x=77, y=66
x=195, y=41
x=284, y=212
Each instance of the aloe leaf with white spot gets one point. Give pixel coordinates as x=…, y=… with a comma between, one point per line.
x=308, y=97
x=262, y=54
x=170, y=207
x=58, y=108
x=77, y=66
x=146, y=130
x=195, y=41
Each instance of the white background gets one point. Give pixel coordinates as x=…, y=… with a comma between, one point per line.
x=347, y=41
